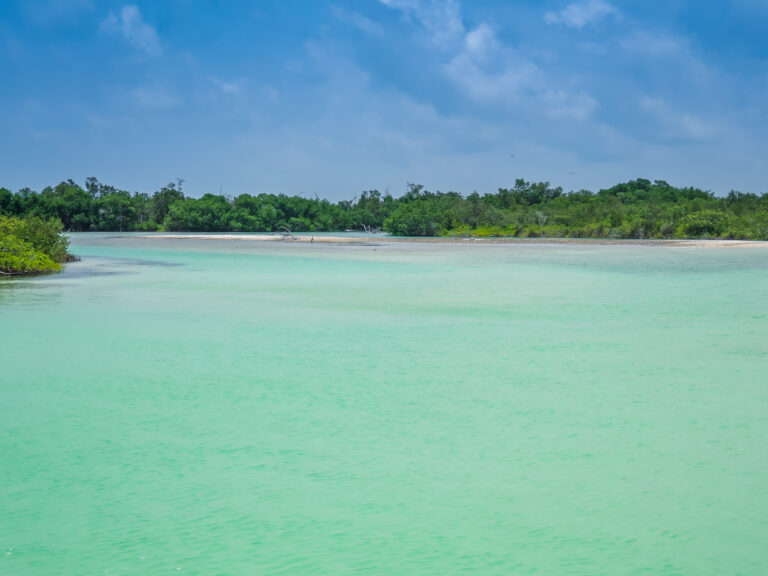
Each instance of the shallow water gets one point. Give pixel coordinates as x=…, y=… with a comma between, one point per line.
x=234, y=407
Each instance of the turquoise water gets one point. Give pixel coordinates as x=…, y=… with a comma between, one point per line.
x=238, y=408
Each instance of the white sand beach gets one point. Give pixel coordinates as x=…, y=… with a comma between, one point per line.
x=323, y=239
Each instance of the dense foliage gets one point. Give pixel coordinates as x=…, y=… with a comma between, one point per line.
x=635, y=209
x=31, y=245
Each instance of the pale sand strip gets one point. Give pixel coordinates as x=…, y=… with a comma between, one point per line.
x=458, y=240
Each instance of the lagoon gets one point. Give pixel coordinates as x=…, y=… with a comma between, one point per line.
x=236, y=407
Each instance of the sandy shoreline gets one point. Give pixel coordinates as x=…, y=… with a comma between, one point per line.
x=697, y=243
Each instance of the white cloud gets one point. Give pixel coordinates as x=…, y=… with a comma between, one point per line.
x=233, y=87
x=387, y=137
x=671, y=53
x=653, y=44
x=131, y=25
x=517, y=78
x=579, y=14
x=676, y=124
x=441, y=19
x=359, y=21
x=486, y=69
x=481, y=41
x=155, y=98
x=579, y=106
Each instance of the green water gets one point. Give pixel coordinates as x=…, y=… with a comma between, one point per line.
x=240, y=408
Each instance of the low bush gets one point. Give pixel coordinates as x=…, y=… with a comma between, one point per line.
x=18, y=257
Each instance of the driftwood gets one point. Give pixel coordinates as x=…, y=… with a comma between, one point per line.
x=286, y=233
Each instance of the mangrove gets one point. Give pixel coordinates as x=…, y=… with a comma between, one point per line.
x=637, y=209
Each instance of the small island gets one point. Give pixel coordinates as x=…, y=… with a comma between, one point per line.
x=32, y=245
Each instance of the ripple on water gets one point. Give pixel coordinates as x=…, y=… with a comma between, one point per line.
x=410, y=411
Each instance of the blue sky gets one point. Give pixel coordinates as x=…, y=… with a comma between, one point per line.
x=332, y=98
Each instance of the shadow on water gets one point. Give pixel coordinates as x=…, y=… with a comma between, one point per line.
x=112, y=267
x=93, y=271
x=85, y=268
x=146, y=262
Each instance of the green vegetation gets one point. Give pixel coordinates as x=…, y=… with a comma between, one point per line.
x=31, y=245
x=635, y=209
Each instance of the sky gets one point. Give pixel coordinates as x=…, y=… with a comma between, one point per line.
x=331, y=98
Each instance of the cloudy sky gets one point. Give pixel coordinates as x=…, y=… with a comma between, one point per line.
x=334, y=97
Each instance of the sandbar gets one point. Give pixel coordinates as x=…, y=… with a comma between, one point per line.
x=323, y=239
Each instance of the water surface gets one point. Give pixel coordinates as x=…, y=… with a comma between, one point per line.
x=235, y=407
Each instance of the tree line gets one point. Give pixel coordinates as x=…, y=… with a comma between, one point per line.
x=635, y=209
